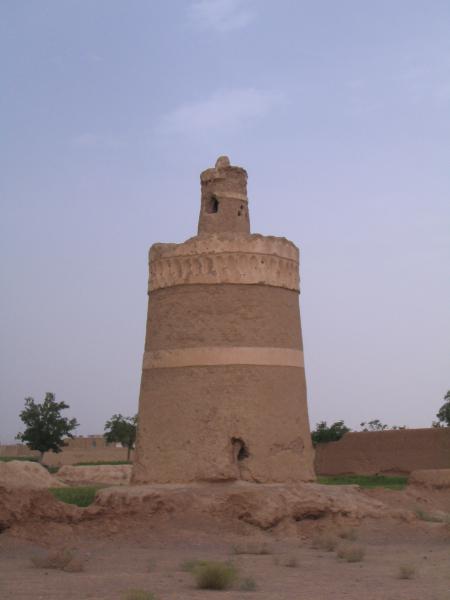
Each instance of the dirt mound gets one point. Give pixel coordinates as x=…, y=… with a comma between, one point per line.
x=263, y=506
x=107, y=474
x=435, y=478
x=31, y=505
x=26, y=474
x=201, y=507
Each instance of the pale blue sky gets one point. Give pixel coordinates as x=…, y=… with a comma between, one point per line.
x=340, y=112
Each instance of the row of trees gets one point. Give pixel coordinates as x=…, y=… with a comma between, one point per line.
x=324, y=433
x=46, y=429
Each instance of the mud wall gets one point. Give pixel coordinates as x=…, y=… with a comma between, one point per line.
x=223, y=392
x=12, y=450
x=70, y=455
x=389, y=452
x=87, y=442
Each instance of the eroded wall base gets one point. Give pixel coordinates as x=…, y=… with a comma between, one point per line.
x=195, y=421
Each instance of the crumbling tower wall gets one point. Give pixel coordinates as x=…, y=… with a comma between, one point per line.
x=223, y=393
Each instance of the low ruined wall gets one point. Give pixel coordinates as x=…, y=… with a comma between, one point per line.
x=390, y=452
x=99, y=474
x=70, y=455
x=87, y=442
x=14, y=450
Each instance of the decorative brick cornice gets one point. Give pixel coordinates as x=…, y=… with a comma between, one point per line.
x=225, y=258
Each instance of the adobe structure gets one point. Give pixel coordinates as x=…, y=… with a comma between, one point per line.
x=223, y=393
x=391, y=452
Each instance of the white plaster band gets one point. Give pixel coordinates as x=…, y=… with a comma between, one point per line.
x=232, y=196
x=205, y=356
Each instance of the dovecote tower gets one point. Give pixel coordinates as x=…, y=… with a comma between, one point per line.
x=223, y=392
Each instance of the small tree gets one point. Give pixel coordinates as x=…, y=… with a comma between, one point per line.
x=443, y=414
x=333, y=433
x=45, y=427
x=375, y=425
x=122, y=430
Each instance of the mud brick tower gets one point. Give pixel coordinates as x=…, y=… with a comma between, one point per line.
x=223, y=394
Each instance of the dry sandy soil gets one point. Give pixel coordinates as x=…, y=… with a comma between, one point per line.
x=141, y=545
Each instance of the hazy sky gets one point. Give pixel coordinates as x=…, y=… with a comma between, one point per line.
x=339, y=111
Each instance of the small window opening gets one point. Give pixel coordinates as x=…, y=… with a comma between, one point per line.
x=239, y=213
x=240, y=449
x=212, y=205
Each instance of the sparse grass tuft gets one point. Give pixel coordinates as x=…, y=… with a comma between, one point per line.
x=63, y=560
x=251, y=548
x=190, y=565
x=211, y=575
x=74, y=566
x=138, y=595
x=81, y=496
x=151, y=565
x=10, y=458
x=366, y=481
x=348, y=534
x=406, y=572
x=102, y=462
x=248, y=585
x=325, y=541
x=430, y=518
x=351, y=552
x=52, y=468
x=291, y=562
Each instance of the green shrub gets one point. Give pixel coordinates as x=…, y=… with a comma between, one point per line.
x=52, y=468
x=81, y=496
x=211, y=575
x=366, y=481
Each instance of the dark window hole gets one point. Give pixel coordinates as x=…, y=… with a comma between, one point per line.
x=212, y=206
x=240, y=449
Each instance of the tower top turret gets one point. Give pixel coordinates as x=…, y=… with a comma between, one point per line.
x=224, y=203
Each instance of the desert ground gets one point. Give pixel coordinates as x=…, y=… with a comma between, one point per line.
x=147, y=542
